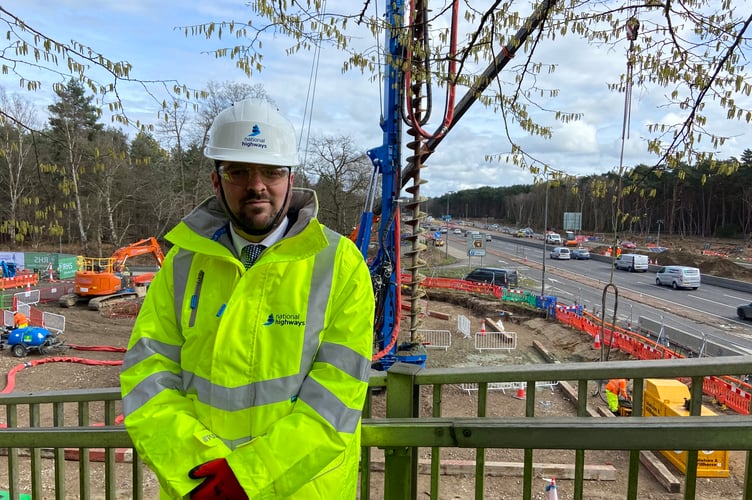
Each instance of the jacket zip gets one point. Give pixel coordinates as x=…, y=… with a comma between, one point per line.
x=195, y=297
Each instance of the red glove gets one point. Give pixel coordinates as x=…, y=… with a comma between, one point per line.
x=220, y=482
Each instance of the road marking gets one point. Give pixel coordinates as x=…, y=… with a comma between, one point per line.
x=736, y=298
x=711, y=301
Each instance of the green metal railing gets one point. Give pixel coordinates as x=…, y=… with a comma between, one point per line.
x=42, y=429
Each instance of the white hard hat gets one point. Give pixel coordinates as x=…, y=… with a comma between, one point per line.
x=252, y=131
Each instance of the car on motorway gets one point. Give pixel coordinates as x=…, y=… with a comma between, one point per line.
x=629, y=245
x=744, y=311
x=493, y=275
x=561, y=253
x=489, y=237
x=678, y=277
x=580, y=254
x=457, y=230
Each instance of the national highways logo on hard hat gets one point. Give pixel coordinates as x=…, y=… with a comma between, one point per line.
x=252, y=140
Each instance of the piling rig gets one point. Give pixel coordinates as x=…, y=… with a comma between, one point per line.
x=408, y=97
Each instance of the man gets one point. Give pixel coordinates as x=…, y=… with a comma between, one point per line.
x=247, y=380
x=616, y=388
x=20, y=320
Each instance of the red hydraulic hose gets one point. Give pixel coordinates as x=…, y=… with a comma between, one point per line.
x=449, y=110
x=104, y=348
x=53, y=359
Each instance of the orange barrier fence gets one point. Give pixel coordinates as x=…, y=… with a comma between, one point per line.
x=20, y=280
x=729, y=391
x=732, y=392
x=461, y=285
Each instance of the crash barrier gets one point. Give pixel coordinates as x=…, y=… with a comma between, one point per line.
x=39, y=450
x=436, y=339
x=495, y=341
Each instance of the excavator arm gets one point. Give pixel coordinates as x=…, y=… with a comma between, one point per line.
x=143, y=247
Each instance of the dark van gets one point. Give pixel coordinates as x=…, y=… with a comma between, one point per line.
x=493, y=275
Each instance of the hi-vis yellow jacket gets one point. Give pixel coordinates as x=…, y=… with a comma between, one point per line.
x=266, y=367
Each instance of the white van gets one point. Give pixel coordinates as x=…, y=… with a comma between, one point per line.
x=553, y=238
x=678, y=277
x=561, y=253
x=632, y=262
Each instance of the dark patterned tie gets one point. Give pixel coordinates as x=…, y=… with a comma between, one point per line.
x=250, y=253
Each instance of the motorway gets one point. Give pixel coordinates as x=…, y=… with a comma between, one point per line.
x=708, y=312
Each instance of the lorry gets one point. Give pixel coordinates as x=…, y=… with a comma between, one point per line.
x=106, y=280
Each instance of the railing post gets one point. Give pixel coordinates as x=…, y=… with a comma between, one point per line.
x=401, y=464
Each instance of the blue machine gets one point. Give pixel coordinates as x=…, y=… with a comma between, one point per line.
x=22, y=340
x=8, y=269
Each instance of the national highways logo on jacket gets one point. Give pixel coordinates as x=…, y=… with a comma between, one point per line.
x=284, y=320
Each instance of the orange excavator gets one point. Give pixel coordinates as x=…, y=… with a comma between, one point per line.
x=105, y=280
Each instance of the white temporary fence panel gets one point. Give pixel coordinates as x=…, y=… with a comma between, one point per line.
x=7, y=318
x=493, y=386
x=27, y=297
x=495, y=341
x=511, y=386
x=463, y=325
x=53, y=322
x=436, y=339
x=25, y=309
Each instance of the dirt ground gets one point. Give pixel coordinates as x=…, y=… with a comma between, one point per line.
x=92, y=337
x=86, y=328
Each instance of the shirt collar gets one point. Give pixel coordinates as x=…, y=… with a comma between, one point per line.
x=239, y=242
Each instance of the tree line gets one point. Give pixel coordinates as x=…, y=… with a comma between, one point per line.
x=706, y=200
x=74, y=184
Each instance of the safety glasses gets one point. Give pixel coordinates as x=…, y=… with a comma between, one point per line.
x=240, y=175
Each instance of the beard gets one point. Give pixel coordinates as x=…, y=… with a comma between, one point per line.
x=251, y=225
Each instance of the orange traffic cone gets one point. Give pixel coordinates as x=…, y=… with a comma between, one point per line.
x=597, y=342
x=28, y=287
x=520, y=393
x=483, y=327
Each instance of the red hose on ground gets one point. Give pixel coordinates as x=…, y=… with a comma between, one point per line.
x=107, y=348
x=53, y=359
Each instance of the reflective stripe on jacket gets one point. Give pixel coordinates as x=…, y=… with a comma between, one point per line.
x=267, y=367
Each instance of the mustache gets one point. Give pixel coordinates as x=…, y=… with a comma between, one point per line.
x=254, y=197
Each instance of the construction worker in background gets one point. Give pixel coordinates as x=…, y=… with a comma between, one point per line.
x=616, y=389
x=242, y=379
x=20, y=320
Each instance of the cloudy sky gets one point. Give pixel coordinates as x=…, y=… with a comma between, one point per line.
x=143, y=32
